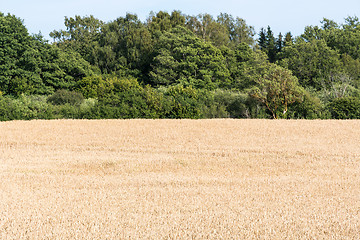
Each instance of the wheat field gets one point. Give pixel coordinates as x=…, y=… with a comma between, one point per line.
x=180, y=179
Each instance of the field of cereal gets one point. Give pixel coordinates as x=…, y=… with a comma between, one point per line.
x=180, y=179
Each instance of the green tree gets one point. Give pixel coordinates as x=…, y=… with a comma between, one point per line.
x=206, y=28
x=245, y=65
x=311, y=62
x=352, y=68
x=57, y=68
x=268, y=43
x=81, y=35
x=89, y=86
x=279, y=43
x=29, y=65
x=262, y=40
x=183, y=102
x=125, y=47
x=341, y=37
x=288, y=39
x=238, y=30
x=271, y=45
x=345, y=108
x=183, y=58
x=15, y=50
x=277, y=89
x=163, y=21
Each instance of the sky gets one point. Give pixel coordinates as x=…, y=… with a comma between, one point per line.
x=281, y=15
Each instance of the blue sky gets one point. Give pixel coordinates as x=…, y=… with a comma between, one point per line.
x=281, y=15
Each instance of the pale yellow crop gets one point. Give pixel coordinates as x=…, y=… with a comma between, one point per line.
x=180, y=179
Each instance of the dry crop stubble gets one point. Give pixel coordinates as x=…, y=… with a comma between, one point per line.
x=187, y=179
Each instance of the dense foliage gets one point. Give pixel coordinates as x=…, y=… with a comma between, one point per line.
x=178, y=66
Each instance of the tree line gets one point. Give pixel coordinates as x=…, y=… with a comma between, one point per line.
x=178, y=66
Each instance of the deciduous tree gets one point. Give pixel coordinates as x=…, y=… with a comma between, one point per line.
x=183, y=58
x=277, y=89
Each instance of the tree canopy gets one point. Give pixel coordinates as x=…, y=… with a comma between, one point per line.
x=174, y=65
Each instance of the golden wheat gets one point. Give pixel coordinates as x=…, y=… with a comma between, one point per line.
x=180, y=179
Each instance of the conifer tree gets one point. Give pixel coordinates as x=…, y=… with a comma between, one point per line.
x=262, y=39
x=279, y=43
x=271, y=45
x=288, y=39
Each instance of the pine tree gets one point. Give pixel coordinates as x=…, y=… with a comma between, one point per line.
x=288, y=39
x=271, y=45
x=279, y=43
x=262, y=39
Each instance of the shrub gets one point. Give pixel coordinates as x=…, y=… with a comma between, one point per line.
x=66, y=111
x=88, y=109
x=89, y=86
x=125, y=98
x=235, y=103
x=345, y=108
x=5, y=109
x=310, y=108
x=25, y=108
x=183, y=102
x=63, y=96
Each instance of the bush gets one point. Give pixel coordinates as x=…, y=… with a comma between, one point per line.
x=6, y=112
x=182, y=102
x=66, y=111
x=89, y=86
x=61, y=97
x=310, y=108
x=230, y=104
x=255, y=109
x=125, y=98
x=235, y=103
x=25, y=108
x=345, y=108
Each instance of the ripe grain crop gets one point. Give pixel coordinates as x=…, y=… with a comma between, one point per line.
x=180, y=179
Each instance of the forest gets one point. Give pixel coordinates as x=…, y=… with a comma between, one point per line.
x=175, y=65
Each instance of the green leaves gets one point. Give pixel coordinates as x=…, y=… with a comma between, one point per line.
x=81, y=35
x=277, y=89
x=345, y=108
x=310, y=61
x=183, y=58
x=14, y=42
x=29, y=65
x=180, y=66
